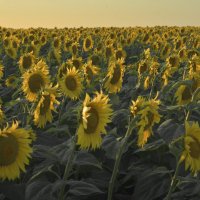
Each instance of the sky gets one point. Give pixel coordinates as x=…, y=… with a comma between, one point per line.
x=97, y=13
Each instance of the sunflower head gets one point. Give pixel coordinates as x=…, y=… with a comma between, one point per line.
x=109, y=51
x=114, y=77
x=88, y=43
x=183, y=94
x=26, y=61
x=11, y=81
x=1, y=71
x=96, y=114
x=42, y=113
x=34, y=80
x=90, y=71
x=76, y=62
x=74, y=48
x=120, y=54
x=148, y=117
x=172, y=61
x=143, y=67
x=191, y=153
x=71, y=83
x=11, y=52
x=15, y=151
x=96, y=60
x=2, y=116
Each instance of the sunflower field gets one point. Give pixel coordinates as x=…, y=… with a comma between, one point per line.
x=100, y=113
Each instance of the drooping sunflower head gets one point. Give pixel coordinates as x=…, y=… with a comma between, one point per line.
x=183, y=94
x=15, y=151
x=191, y=153
x=96, y=114
x=136, y=105
x=115, y=75
x=149, y=115
x=71, y=83
x=88, y=43
x=26, y=61
x=34, y=80
x=42, y=113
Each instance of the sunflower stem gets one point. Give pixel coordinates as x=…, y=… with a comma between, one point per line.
x=60, y=111
x=173, y=182
x=118, y=159
x=68, y=167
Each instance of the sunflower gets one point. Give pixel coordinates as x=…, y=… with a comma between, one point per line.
x=71, y=83
x=42, y=113
x=148, y=117
x=147, y=83
x=96, y=60
x=35, y=79
x=143, y=67
x=67, y=44
x=114, y=77
x=96, y=114
x=1, y=71
x=26, y=61
x=136, y=105
x=33, y=48
x=120, y=54
x=182, y=54
x=15, y=151
x=172, y=62
x=74, y=48
x=183, y=95
x=90, y=71
x=165, y=51
x=56, y=43
x=194, y=67
x=76, y=62
x=6, y=42
x=11, y=81
x=11, y=52
x=109, y=51
x=88, y=43
x=2, y=116
x=191, y=153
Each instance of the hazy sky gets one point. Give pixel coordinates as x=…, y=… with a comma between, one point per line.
x=75, y=13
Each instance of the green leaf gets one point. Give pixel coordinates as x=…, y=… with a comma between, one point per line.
x=152, y=184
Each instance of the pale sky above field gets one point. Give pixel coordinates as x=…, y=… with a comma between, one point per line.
x=90, y=13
